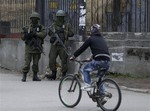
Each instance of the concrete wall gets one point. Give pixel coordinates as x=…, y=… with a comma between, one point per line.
x=12, y=54
x=130, y=53
x=134, y=49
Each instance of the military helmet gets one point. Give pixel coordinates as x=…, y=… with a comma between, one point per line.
x=60, y=13
x=95, y=28
x=35, y=15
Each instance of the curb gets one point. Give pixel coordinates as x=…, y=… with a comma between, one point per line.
x=135, y=89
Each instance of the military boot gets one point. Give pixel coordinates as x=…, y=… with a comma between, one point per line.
x=52, y=76
x=35, y=77
x=24, y=77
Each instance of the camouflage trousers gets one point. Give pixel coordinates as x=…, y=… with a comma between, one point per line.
x=56, y=51
x=34, y=57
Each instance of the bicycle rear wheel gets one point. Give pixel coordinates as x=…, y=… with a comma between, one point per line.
x=110, y=95
x=70, y=91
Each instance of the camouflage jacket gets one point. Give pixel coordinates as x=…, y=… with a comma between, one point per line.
x=40, y=34
x=64, y=31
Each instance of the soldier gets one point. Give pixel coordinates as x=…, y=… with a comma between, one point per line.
x=33, y=36
x=59, y=29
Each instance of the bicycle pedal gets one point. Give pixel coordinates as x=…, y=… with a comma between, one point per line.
x=94, y=100
x=95, y=96
x=103, y=101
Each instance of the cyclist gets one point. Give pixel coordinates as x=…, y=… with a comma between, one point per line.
x=100, y=55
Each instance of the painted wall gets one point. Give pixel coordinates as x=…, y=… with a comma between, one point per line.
x=130, y=53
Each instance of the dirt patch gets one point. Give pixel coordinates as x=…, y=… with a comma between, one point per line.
x=141, y=83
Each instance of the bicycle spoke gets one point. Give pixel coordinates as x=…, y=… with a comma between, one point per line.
x=69, y=91
x=110, y=95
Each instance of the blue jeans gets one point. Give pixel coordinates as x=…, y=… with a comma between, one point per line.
x=94, y=66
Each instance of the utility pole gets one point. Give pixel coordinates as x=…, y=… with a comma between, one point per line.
x=82, y=20
x=39, y=7
x=148, y=16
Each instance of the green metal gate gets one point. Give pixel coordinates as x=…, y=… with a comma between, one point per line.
x=72, y=9
x=14, y=14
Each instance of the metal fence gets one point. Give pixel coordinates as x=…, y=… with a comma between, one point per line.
x=71, y=7
x=14, y=14
x=120, y=15
x=113, y=15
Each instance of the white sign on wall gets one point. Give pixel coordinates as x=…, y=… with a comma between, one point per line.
x=82, y=16
x=117, y=56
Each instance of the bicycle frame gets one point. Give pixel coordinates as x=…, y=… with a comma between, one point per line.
x=94, y=83
x=73, y=89
x=103, y=91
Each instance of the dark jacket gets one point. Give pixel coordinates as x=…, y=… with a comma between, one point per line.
x=98, y=47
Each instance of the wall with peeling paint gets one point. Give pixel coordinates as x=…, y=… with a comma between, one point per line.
x=130, y=53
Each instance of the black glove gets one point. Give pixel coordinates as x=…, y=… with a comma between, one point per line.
x=52, y=40
x=26, y=35
x=72, y=58
x=32, y=35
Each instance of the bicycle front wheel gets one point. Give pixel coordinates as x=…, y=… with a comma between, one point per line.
x=110, y=95
x=70, y=91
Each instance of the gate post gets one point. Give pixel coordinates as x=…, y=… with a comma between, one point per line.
x=82, y=20
x=39, y=7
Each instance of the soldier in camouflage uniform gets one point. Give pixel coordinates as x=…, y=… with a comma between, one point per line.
x=63, y=30
x=32, y=52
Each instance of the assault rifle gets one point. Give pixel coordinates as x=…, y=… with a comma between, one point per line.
x=57, y=36
x=60, y=41
x=33, y=40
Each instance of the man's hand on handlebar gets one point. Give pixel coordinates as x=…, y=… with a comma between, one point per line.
x=72, y=58
x=88, y=59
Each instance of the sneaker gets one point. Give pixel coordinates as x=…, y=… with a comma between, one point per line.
x=87, y=87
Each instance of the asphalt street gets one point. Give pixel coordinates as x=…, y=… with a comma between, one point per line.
x=43, y=96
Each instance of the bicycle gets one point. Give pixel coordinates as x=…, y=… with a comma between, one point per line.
x=107, y=89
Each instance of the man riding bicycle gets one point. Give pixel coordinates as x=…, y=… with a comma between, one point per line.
x=100, y=55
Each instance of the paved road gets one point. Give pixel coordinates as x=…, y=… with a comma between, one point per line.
x=43, y=96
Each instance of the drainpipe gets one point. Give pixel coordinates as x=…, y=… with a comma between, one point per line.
x=39, y=7
x=116, y=14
